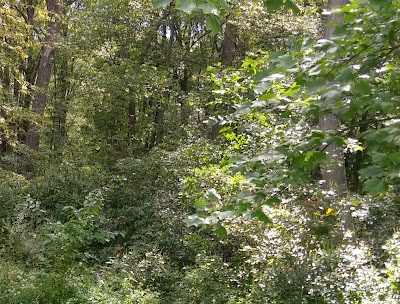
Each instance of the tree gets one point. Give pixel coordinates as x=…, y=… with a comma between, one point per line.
x=333, y=169
x=345, y=82
x=54, y=8
x=17, y=68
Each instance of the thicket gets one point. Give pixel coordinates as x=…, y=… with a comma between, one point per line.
x=180, y=157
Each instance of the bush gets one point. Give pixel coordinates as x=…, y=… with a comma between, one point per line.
x=20, y=285
x=13, y=189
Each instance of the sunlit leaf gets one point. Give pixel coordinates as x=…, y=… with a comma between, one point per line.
x=200, y=204
x=272, y=201
x=193, y=220
x=287, y=61
x=221, y=215
x=213, y=24
x=372, y=172
x=379, y=4
x=220, y=3
x=161, y=3
x=273, y=5
x=221, y=231
x=186, y=6
x=259, y=214
x=238, y=159
x=289, y=4
x=212, y=195
x=375, y=186
x=346, y=74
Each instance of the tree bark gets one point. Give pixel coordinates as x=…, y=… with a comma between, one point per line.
x=54, y=8
x=333, y=171
x=168, y=52
x=228, y=53
x=229, y=44
x=132, y=118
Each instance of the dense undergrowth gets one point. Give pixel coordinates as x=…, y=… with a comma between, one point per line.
x=125, y=201
x=85, y=234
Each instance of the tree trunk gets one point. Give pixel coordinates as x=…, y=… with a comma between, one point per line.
x=170, y=43
x=333, y=171
x=228, y=53
x=229, y=44
x=60, y=104
x=359, y=155
x=132, y=118
x=54, y=8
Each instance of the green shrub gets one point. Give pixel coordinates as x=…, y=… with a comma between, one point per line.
x=209, y=281
x=20, y=285
x=13, y=189
x=66, y=184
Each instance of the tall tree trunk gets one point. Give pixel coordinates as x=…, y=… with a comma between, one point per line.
x=359, y=155
x=132, y=117
x=228, y=53
x=54, y=8
x=229, y=44
x=62, y=88
x=168, y=51
x=60, y=103
x=184, y=85
x=333, y=170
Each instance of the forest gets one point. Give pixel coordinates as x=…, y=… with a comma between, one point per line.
x=199, y=151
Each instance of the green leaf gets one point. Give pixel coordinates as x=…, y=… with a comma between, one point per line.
x=221, y=215
x=272, y=201
x=238, y=168
x=161, y=3
x=273, y=5
x=221, y=231
x=220, y=3
x=372, y=172
x=212, y=195
x=287, y=61
x=290, y=5
x=349, y=7
x=238, y=159
x=258, y=213
x=379, y=136
x=186, y=6
x=362, y=86
x=375, y=186
x=193, y=220
x=261, y=74
x=200, y=204
x=379, y=158
x=314, y=157
x=377, y=5
x=340, y=32
x=213, y=24
x=315, y=85
x=292, y=90
x=243, y=207
x=206, y=8
x=332, y=96
x=346, y=74
x=308, y=42
x=394, y=157
x=394, y=174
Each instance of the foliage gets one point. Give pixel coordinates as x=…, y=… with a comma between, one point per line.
x=103, y=211
x=65, y=184
x=12, y=190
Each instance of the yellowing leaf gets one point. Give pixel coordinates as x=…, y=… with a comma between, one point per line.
x=329, y=211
